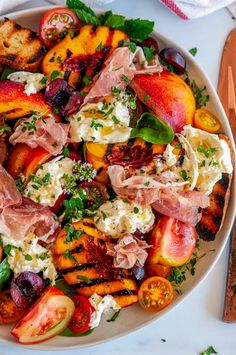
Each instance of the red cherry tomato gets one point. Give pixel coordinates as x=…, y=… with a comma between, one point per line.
x=82, y=315
x=48, y=317
x=74, y=156
x=55, y=23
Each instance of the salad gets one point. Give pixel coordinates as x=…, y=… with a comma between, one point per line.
x=112, y=170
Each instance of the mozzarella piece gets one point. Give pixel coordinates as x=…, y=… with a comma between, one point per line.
x=168, y=155
x=190, y=164
x=32, y=80
x=47, y=195
x=102, y=305
x=84, y=125
x=116, y=218
x=210, y=168
x=29, y=255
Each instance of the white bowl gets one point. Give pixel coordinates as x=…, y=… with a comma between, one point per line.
x=134, y=317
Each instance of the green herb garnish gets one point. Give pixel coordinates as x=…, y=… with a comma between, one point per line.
x=184, y=175
x=193, y=51
x=149, y=53
x=85, y=279
x=87, y=81
x=55, y=74
x=199, y=93
x=206, y=151
x=209, y=351
x=115, y=316
x=152, y=130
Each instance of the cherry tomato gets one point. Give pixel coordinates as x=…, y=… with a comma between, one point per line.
x=172, y=241
x=48, y=317
x=205, y=120
x=55, y=23
x=74, y=156
x=82, y=315
x=9, y=312
x=155, y=294
x=96, y=192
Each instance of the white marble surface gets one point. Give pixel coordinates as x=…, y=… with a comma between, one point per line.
x=194, y=325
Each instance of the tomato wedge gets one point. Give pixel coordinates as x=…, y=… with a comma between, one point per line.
x=48, y=317
x=82, y=315
x=173, y=242
x=9, y=312
x=205, y=120
x=155, y=294
x=55, y=24
x=96, y=193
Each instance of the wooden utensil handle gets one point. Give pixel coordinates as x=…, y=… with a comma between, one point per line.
x=229, y=314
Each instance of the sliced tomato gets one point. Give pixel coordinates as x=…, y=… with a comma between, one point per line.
x=82, y=315
x=155, y=294
x=48, y=317
x=55, y=24
x=96, y=193
x=205, y=120
x=172, y=241
x=9, y=312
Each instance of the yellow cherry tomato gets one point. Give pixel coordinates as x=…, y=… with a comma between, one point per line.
x=155, y=293
x=205, y=120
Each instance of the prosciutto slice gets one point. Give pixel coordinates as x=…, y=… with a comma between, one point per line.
x=168, y=198
x=9, y=195
x=129, y=251
x=121, y=63
x=17, y=221
x=48, y=134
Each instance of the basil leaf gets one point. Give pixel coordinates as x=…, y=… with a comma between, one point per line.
x=115, y=21
x=138, y=29
x=5, y=272
x=68, y=333
x=6, y=71
x=152, y=130
x=87, y=17
x=64, y=287
x=79, y=5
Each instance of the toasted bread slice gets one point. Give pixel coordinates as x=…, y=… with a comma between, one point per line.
x=20, y=48
x=213, y=216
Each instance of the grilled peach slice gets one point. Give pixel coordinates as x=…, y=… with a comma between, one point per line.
x=136, y=153
x=25, y=160
x=15, y=103
x=85, y=52
x=168, y=96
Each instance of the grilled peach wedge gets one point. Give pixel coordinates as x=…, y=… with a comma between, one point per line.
x=168, y=96
x=84, y=52
x=15, y=103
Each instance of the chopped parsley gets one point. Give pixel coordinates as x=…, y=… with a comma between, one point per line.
x=30, y=124
x=55, y=74
x=104, y=216
x=44, y=80
x=131, y=45
x=209, y=351
x=8, y=248
x=28, y=257
x=69, y=255
x=4, y=127
x=85, y=279
x=43, y=256
x=55, y=110
x=184, y=175
x=95, y=124
x=115, y=316
x=147, y=183
x=20, y=184
x=38, y=181
x=125, y=78
x=115, y=120
x=72, y=233
x=83, y=92
x=206, y=151
x=199, y=93
x=149, y=53
x=193, y=51
x=136, y=210
x=146, y=97
x=99, y=47
x=65, y=152
x=87, y=81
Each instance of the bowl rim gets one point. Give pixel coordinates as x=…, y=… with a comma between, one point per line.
x=16, y=15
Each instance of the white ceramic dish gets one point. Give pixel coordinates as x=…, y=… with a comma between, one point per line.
x=134, y=317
